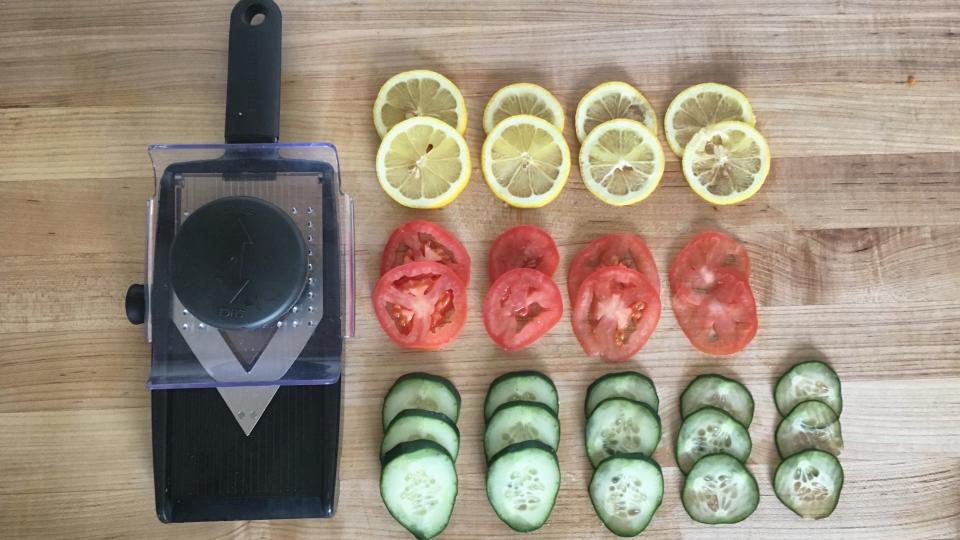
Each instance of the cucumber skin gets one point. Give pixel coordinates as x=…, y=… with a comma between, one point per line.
x=728, y=379
x=421, y=413
x=519, y=447
x=638, y=456
x=756, y=488
x=676, y=444
x=522, y=373
x=586, y=446
x=407, y=447
x=412, y=446
x=518, y=403
x=795, y=366
x=425, y=413
x=425, y=376
x=773, y=480
x=586, y=397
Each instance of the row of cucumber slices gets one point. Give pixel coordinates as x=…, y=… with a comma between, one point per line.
x=622, y=432
x=809, y=439
x=421, y=442
x=520, y=443
x=418, y=479
x=713, y=445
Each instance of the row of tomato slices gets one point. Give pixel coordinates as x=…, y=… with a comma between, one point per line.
x=420, y=299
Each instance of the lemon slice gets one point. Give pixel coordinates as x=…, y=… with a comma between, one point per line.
x=698, y=107
x=612, y=100
x=525, y=161
x=522, y=98
x=726, y=163
x=423, y=163
x=419, y=93
x=621, y=162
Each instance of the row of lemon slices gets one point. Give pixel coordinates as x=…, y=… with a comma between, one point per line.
x=423, y=161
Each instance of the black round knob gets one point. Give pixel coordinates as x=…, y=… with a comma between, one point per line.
x=238, y=263
x=136, y=303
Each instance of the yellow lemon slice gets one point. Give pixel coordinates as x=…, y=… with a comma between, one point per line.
x=621, y=162
x=423, y=163
x=609, y=101
x=522, y=98
x=525, y=161
x=419, y=93
x=726, y=163
x=699, y=106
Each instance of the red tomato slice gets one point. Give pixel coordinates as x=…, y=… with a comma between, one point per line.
x=703, y=255
x=421, y=240
x=421, y=305
x=521, y=306
x=523, y=246
x=615, y=312
x=618, y=249
x=720, y=320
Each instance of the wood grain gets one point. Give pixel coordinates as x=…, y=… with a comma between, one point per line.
x=853, y=238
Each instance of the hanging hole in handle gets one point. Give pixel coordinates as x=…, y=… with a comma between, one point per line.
x=255, y=15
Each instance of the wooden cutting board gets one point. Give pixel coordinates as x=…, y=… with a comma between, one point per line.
x=853, y=239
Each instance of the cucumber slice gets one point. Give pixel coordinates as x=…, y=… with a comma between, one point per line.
x=720, y=392
x=522, y=484
x=711, y=431
x=418, y=485
x=626, y=491
x=418, y=424
x=518, y=421
x=621, y=426
x=421, y=391
x=521, y=386
x=809, y=483
x=624, y=384
x=806, y=381
x=720, y=489
x=811, y=424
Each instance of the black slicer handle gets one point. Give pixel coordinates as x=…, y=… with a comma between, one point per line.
x=253, y=73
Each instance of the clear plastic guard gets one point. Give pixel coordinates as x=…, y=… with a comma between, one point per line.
x=305, y=345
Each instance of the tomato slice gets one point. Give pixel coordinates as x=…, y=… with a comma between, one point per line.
x=522, y=305
x=523, y=246
x=421, y=305
x=421, y=240
x=615, y=312
x=721, y=319
x=705, y=253
x=618, y=249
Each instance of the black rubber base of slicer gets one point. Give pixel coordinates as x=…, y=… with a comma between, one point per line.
x=206, y=469
x=238, y=263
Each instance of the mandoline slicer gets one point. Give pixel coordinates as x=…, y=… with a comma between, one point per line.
x=247, y=301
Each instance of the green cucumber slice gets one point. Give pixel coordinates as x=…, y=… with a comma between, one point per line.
x=518, y=421
x=719, y=489
x=711, y=431
x=418, y=424
x=521, y=386
x=523, y=480
x=806, y=381
x=809, y=483
x=720, y=392
x=418, y=485
x=626, y=491
x=621, y=426
x=811, y=424
x=624, y=384
x=421, y=391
